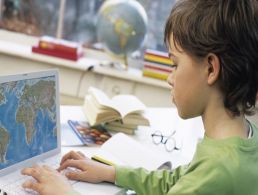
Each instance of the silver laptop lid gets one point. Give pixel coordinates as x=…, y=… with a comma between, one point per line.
x=29, y=119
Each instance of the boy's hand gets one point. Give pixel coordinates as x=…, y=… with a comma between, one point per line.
x=47, y=181
x=90, y=171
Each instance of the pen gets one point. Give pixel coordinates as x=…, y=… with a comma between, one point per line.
x=101, y=160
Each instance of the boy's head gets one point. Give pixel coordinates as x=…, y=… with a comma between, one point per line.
x=229, y=30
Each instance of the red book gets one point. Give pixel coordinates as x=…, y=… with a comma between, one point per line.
x=165, y=70
x=56, y=47
x=53, y=44
x=156, y=53
x=56, y=53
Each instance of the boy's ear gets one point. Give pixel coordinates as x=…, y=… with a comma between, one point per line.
x=213, y=68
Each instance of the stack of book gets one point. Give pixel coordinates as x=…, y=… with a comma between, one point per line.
x=156, y=64
x=58, y=48
x=123, y=113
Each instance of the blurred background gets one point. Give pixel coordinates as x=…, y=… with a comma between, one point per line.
x=37, y=18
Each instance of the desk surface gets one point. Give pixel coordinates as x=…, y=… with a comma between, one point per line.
x=163, y=119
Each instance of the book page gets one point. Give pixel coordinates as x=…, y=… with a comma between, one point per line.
x=96, y=115
x=102, y=99
x=126, y=104
x=137, y=119
x=123, y=150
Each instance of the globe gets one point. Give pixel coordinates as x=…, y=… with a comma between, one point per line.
x=121, y=26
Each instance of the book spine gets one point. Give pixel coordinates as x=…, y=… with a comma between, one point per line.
x=156, y=71
x=57, y=47
x=74, y=130
x=58, y=54
x=157, y=53
x=154, y=74
x=158, y=59
x=157, y=64
x=157, y=68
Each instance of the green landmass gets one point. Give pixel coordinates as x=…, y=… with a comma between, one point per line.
x=11, y=85
x=40, y=94
x=4, y=140
x=27, y=116
x=35, y=97
x=123, y=30
x=6, y=87
x=2, y=98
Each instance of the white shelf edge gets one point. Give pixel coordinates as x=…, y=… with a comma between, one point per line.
x=14, y=44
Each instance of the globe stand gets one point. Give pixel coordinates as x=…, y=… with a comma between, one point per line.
x=118, y=62
x=122, y=65
x=125, y=65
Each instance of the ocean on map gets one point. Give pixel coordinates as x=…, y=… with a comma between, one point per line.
x=44, y=137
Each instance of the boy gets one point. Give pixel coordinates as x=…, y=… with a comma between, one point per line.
x=214, y=45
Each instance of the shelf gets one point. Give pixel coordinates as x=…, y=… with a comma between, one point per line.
x=132, y=74
x=77, y=76
x=92, y=58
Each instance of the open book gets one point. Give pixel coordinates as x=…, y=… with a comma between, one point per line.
x=127, y=109
x=121, y=149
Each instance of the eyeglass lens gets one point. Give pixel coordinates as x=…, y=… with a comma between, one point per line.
x=168, y=141
x=157, y=137
x=170, y=144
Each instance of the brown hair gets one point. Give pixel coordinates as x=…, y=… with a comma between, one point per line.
x=229, y=29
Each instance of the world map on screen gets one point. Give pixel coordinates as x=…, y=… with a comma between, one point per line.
x=27, y=119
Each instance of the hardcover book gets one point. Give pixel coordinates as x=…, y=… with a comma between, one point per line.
x=59, y=54
x=58, y=48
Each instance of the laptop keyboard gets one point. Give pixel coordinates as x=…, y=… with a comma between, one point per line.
x=12, y=185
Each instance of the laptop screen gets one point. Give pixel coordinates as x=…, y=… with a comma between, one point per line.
x=29, y=115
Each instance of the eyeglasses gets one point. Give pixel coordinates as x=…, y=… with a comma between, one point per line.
x=168, y=141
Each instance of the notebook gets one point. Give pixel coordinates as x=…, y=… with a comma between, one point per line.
x=29, y=121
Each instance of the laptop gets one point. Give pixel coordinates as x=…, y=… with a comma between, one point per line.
x=30, y=130
x=29, y=121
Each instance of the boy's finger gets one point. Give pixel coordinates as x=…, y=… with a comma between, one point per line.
x=32, y=172
x=80, y=153
x=72, y=163
x=47, y=168
x=31, y=185
x=70, y=155
x=76, y=176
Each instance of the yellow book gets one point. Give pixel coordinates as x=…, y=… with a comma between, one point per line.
x=153, y=74
x=158, y=59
